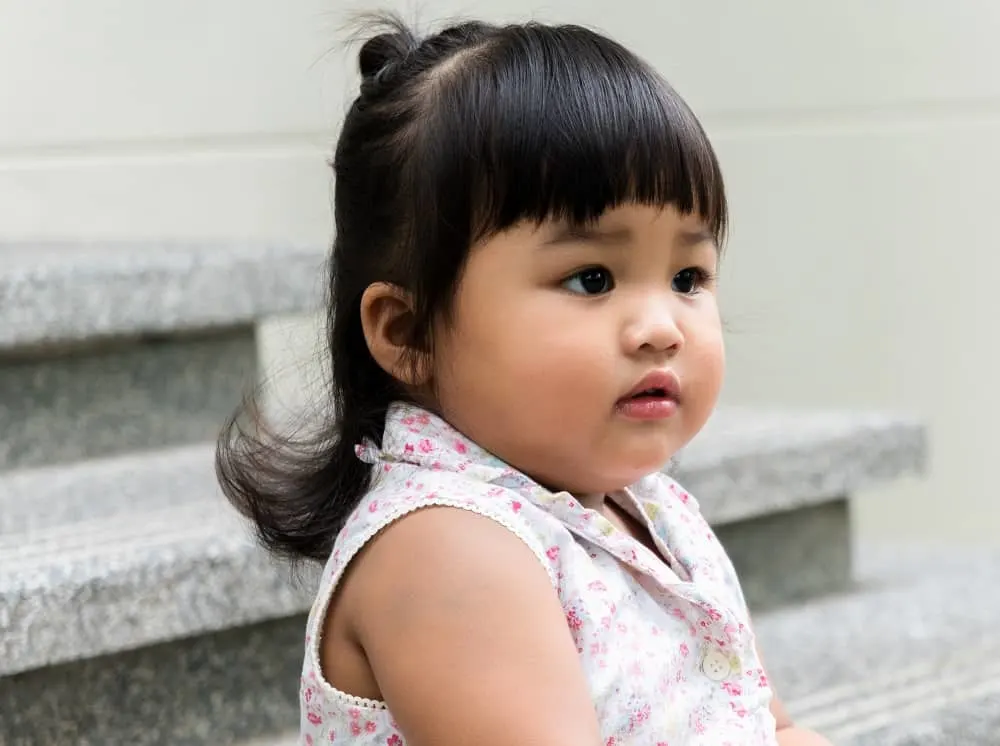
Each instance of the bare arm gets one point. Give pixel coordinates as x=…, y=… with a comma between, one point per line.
x=793, y=736
x=467, y=638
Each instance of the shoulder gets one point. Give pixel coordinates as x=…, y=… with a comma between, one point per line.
x=462, y=628
x=440, y=547
x=404, y=493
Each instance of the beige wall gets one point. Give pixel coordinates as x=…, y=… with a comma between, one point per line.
x=861, y=141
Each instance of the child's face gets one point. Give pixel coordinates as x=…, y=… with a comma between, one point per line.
x=553, y=329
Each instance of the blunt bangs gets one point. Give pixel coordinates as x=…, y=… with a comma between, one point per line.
x=562, y=123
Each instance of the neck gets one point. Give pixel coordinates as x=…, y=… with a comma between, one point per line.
x=591, y=502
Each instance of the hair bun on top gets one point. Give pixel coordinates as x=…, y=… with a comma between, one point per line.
x=385, y=51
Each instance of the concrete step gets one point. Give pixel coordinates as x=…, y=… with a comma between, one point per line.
x=777, y=487
x=116, y=554
x=893, y=663
x=110, y=348
x=910, y=657
x=150, y=535
x=134, y=607
x=67, y=293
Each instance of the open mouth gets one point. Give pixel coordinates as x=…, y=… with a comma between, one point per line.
x=656, y=396
x=651, y=394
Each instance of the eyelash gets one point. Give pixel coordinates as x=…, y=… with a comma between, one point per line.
x=702, y=278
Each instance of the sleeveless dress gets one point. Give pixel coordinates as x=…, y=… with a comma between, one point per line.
x=665, y=641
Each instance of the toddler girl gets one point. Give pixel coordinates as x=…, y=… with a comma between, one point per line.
x=523, y=330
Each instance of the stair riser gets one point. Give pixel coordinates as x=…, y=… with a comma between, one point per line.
x=217, y=689
x=790, y=556
x=133, y=396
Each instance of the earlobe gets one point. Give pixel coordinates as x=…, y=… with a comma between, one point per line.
x=387, y=323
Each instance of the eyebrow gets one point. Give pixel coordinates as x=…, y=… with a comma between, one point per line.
x=690, y=239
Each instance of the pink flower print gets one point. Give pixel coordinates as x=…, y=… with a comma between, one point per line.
x=354, y=713
x=308, y=695
x=355, y=728
x=515, y=506
x=732, y=689
x=387, y=468
x=408, y=448
x=425, y=446
x=573, y=620
x=762, y=681
x=698, y=725
x=309, y=740
x=596, y=585
x=394, y=740
x=552, y=553
x=685, y=650
x=373, y=506
x=333, y=736
x=713, y=613
x=314, y=718
x=461, y=447
x=739, y=709
x=370, y=726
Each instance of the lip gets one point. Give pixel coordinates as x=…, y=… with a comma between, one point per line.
x=663, y=380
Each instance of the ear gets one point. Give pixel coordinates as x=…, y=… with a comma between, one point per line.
x=387, y=322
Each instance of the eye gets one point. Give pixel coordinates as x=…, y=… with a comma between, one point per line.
x=690, y=280
x=590, y=281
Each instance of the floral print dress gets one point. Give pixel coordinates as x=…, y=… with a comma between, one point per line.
x=665, y=640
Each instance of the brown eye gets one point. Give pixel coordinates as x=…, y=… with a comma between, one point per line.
x=590, y=281
x=689, y=281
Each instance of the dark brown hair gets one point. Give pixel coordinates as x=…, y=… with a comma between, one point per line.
x=452, y=138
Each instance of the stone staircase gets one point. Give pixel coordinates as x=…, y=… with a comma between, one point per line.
x=134, y=608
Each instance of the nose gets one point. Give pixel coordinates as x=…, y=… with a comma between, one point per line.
x=654, y=330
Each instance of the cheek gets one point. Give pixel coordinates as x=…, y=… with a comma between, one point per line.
x=707, y=356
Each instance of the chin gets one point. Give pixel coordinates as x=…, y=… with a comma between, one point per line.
x=652, y=459
x=622, y=479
